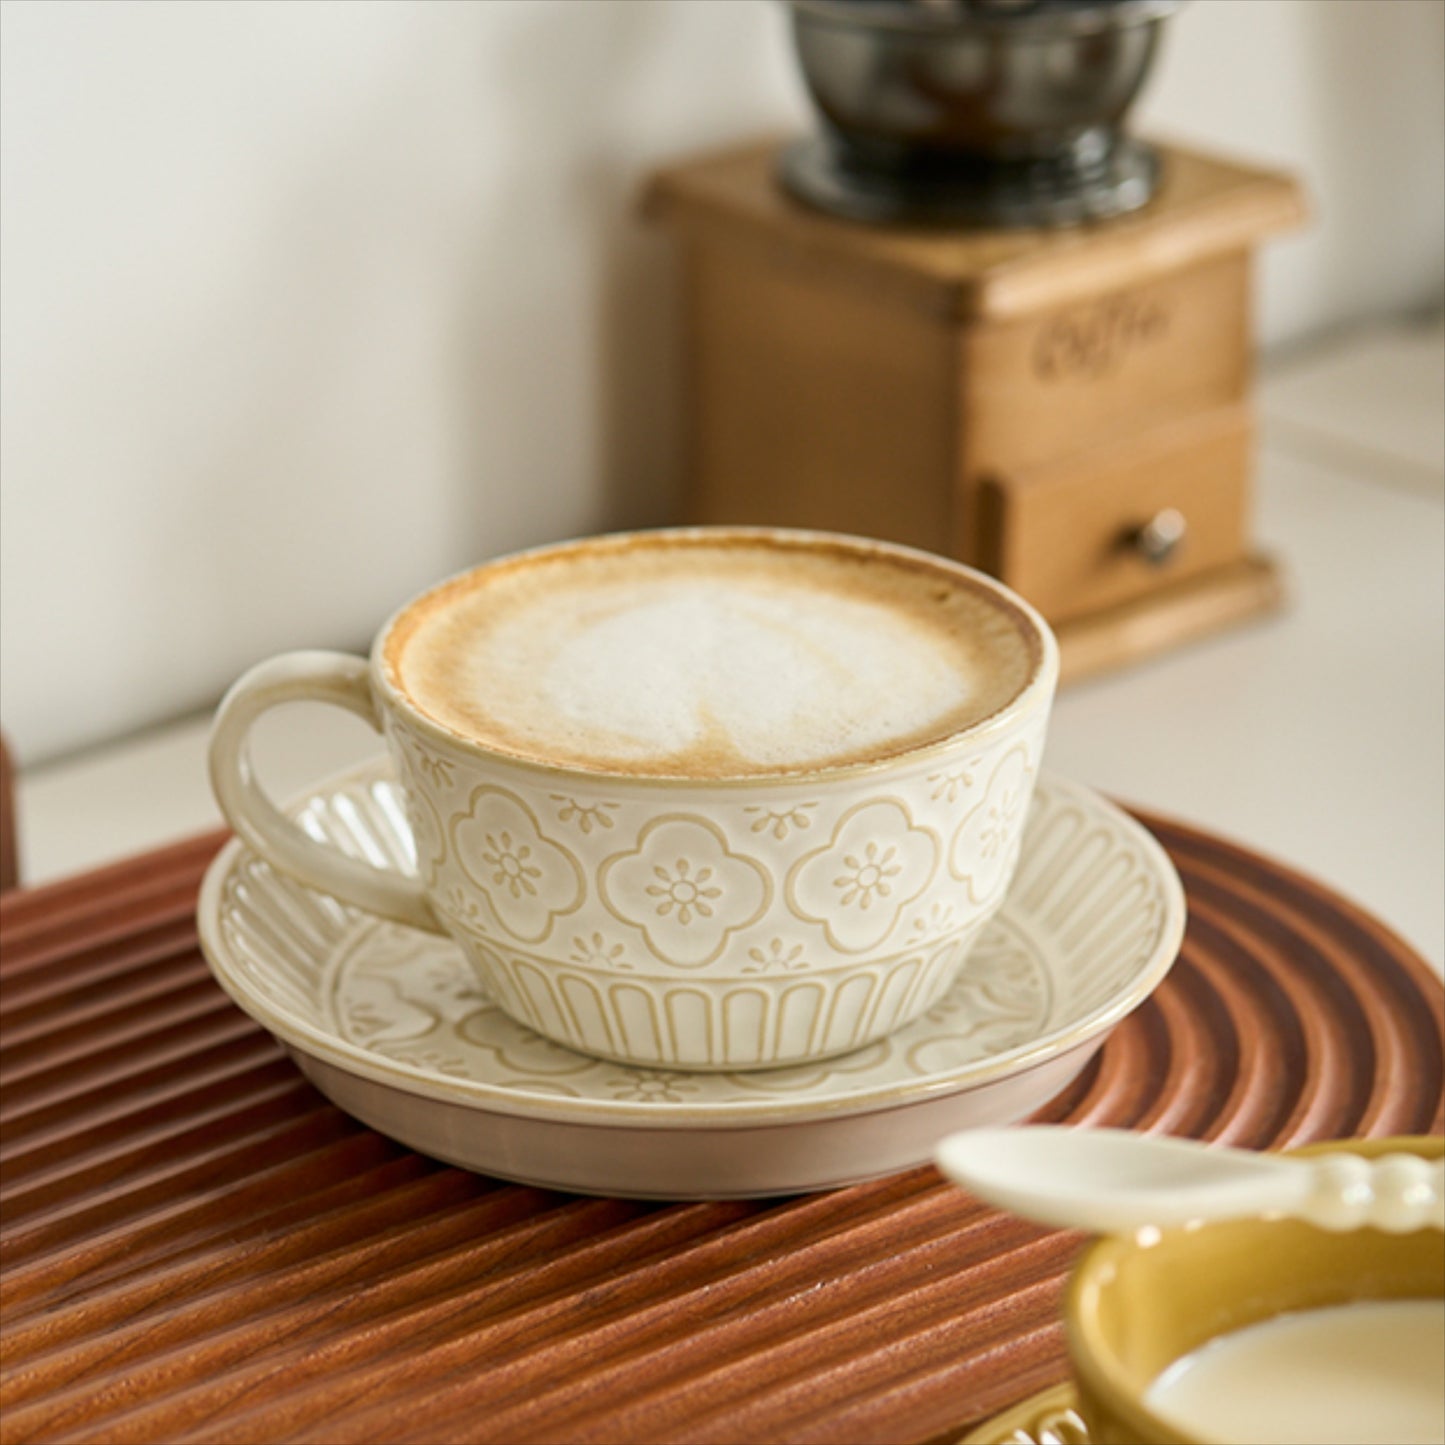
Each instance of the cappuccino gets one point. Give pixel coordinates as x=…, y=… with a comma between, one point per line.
x=712, y=799
x=678, y=654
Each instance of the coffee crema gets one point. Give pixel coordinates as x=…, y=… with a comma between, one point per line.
x=710, y=655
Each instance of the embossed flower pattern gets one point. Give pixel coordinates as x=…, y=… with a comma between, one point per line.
x=454, y=1066
x=777, y=957
x=596, y=952
x=462, y=906
x=870, y=877
x=687, y=891
x=411, y=998
x=684, y=889
x=378, y=1013
x=528, y=880
x=585, y=816
x=511, y=866
x=780, y=821
x=648, y=1087
x=985, y=845
x=936, y=923
x=437, y=771
x=877, y=862
x=950, y=785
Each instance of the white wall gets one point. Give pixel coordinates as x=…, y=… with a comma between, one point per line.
x=304, y=305
x=1350, y=94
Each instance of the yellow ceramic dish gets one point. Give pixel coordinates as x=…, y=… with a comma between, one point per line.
x=1135, y=1306
x=1049, y=1418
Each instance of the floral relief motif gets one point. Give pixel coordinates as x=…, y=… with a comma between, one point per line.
x=1098, y=921
x=437, y=771
x=938, y=921
x=377, y=1013
x=462, y=907
x=499, y=1044
x=856, y=885
x=1000, y=994
x=776, y=958
x=364, y=1019
x=971, y=1023
x=510, y=865
x=585, y=816
x=985, y=846
x=447, y=981
x=780, y=821
x=595, y=952
x=1003, y=967
x=528, y=881
x=684, y=889
x=948, y=785
x=867, y=878
x=454, y=1066
x=648, y=1086
x=678, y=887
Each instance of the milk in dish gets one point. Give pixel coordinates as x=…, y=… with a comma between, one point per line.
x=1371, y=1372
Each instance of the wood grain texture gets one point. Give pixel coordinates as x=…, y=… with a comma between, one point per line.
x=805, y=395
x=196, y=1246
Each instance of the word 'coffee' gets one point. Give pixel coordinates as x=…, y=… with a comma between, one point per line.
x=683, y=655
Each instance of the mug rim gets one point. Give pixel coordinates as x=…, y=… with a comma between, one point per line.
x=1097, y=1367
x=1037, y=690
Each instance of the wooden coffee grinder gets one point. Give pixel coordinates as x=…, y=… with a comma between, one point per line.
x=976, y=317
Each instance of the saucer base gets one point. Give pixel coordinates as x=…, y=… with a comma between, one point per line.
x=744, y=1162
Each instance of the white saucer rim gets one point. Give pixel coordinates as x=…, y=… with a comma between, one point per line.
x=300, y=1034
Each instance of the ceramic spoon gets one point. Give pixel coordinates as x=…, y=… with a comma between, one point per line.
x=1113, y=1181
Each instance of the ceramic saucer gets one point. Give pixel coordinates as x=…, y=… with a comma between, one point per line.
x=392, y=1025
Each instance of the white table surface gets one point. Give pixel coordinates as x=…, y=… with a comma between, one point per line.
x=1316, y=736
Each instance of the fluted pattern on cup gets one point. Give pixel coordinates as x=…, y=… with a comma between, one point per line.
x=745, y=1024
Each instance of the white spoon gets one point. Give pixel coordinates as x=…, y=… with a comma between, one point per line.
x=1113, y=1181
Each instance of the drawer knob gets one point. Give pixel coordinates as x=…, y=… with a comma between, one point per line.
x=1158, y=539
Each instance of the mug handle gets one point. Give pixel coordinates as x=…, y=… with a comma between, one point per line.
x=334, y=677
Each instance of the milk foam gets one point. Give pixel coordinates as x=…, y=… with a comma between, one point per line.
x=708, y=659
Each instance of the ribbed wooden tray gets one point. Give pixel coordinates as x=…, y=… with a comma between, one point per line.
x=196, y=1246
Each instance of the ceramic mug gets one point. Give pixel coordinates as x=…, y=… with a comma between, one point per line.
x=665, y=919
x=1135, y=1305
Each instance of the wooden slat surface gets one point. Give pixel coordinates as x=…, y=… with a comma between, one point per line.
x=197, y=1246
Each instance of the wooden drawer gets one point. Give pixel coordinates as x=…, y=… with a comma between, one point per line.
x=1066, y=534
